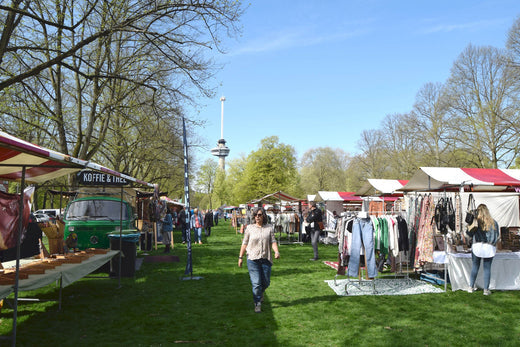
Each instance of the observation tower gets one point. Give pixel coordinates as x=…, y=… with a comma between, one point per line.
x=221, y=151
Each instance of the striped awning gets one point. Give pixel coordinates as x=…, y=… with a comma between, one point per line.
x=375, y=187
x=337, y=196
x=479, y=179
x=42, y=164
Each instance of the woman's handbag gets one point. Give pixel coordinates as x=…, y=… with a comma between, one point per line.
x=471, y=211
x=321, y=226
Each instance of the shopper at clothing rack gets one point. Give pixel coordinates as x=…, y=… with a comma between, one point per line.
x=484, y=232
x=208, y=222
x=314, y=218
x=258, y=241
x=166, y=230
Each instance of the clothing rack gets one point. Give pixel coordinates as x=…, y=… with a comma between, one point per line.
x=280, y=230
x=360, y=282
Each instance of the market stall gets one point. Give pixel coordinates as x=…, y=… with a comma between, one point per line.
x=28, y=163
x=339, y=202
x=497, y=188
x=284, y=212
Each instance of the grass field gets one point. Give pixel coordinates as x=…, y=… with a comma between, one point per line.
x=160, y=308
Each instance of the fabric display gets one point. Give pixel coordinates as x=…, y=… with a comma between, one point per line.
x=284, y=222
x=10, y=216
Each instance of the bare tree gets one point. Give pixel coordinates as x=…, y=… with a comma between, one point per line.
x=483, y=92
x=98, y=78
x=371, y=163
x=402, y=147
x=431, y=125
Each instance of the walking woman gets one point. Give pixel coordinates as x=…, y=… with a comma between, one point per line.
x=258, y=241
x=196, y=224
x=485, y=236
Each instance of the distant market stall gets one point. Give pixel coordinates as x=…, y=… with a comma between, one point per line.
x=382, y=194
x=284, y=212
x=339, y=202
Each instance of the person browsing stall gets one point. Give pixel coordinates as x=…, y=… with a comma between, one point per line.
x=257, y=243
x=485, y=236
x=166, y=230
x=314, y=218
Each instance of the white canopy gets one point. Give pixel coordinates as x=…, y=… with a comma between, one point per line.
x=375, y=186
x=436, y=178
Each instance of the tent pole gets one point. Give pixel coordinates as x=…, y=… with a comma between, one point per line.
x=18, y=253
x=120, y=239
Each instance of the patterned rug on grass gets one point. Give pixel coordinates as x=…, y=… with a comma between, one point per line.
x=382, y=286
x=332, y=264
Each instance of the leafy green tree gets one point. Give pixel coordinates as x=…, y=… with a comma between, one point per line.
x=205, y=182
x=221, y=191
x=269, y=169
x=324, y=168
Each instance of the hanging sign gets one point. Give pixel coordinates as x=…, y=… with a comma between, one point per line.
x=100, y=179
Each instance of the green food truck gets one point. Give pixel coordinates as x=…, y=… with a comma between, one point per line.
x=91, y=219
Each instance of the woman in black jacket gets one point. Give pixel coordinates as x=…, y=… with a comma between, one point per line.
x=313, y=218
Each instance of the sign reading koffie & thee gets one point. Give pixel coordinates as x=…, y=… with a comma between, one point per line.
x=95, y=178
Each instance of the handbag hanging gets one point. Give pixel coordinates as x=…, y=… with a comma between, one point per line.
x=471, y=210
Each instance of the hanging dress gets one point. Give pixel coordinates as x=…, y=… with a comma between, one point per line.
x=424, y=249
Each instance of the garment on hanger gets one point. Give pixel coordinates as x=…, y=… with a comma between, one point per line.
x=344, y=236
x=424, y=248
x=362, y=236
x=402, y=228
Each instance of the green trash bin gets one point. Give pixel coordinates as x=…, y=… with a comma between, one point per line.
x=128, y=253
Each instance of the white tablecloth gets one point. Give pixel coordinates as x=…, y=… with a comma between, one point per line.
x=505, y=271
x=69, y=273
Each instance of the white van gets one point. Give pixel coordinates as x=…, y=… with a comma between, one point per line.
x=52, y=212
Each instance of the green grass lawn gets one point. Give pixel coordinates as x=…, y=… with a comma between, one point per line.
x=160, y=308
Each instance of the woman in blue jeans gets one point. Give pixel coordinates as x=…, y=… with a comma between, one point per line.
x=196, y=223
x=485, y=236
x=258, y=241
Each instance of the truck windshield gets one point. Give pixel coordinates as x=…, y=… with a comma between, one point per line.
x=96, y=210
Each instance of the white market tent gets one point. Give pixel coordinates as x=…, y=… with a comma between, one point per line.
x=438, y=178
x=376, y=187
x=497, y=188
x=335, y=201
x=25, y=162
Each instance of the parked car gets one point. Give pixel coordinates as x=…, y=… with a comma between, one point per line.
x=52, y=212
x=41, y=217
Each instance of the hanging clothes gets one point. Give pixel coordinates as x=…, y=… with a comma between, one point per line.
x=362, y=235
x=344, y=235
x=424, y=249
x=402, y=228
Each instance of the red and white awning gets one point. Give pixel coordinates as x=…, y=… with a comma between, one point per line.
x=436, y=178
x=42, y=164
x=375, y=187
x=337, y=196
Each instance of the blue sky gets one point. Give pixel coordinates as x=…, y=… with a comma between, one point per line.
x=317, y=73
